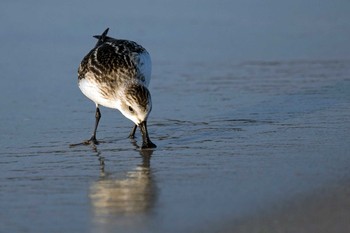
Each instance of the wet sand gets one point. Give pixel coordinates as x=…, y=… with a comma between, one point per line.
x=324, y=210
x=250, y=116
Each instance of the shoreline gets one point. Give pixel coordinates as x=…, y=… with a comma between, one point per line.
x=324, y=210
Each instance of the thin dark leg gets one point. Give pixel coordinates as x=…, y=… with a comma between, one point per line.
x=146, y=142
x=93, y=140
x=132, y=133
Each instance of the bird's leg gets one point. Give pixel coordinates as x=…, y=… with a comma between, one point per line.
x=146, y=142
x=93, y=139
x=132, y=133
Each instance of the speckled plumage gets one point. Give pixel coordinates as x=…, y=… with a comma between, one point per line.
x=114, y=63
x=116, y=74
x=115, y=60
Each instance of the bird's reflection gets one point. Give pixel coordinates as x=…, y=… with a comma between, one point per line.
x=128, y=196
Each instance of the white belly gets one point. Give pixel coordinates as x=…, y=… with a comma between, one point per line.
x=90, y=89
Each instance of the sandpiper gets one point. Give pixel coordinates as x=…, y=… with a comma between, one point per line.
x=116, y=74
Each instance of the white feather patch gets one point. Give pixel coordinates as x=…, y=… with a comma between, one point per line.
x=91, y=90
x=145, y=67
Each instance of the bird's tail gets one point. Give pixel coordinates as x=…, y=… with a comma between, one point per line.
x=102, y=38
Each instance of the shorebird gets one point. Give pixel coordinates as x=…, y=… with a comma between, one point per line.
x=116, y=74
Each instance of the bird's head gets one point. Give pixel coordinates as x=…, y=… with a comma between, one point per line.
x=136, y=103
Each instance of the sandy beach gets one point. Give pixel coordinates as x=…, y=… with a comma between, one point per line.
x=250, y=116
x=325, y=210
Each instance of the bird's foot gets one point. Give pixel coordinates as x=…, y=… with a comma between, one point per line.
x=148, y=145
x=92, y=141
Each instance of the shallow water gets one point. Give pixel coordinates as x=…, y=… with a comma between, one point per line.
x=236, y=133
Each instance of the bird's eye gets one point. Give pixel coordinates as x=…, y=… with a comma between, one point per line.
x=131, y=109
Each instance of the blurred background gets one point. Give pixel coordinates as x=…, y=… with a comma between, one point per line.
x=250, y=112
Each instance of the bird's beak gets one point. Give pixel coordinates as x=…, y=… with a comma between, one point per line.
x=146, y=142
